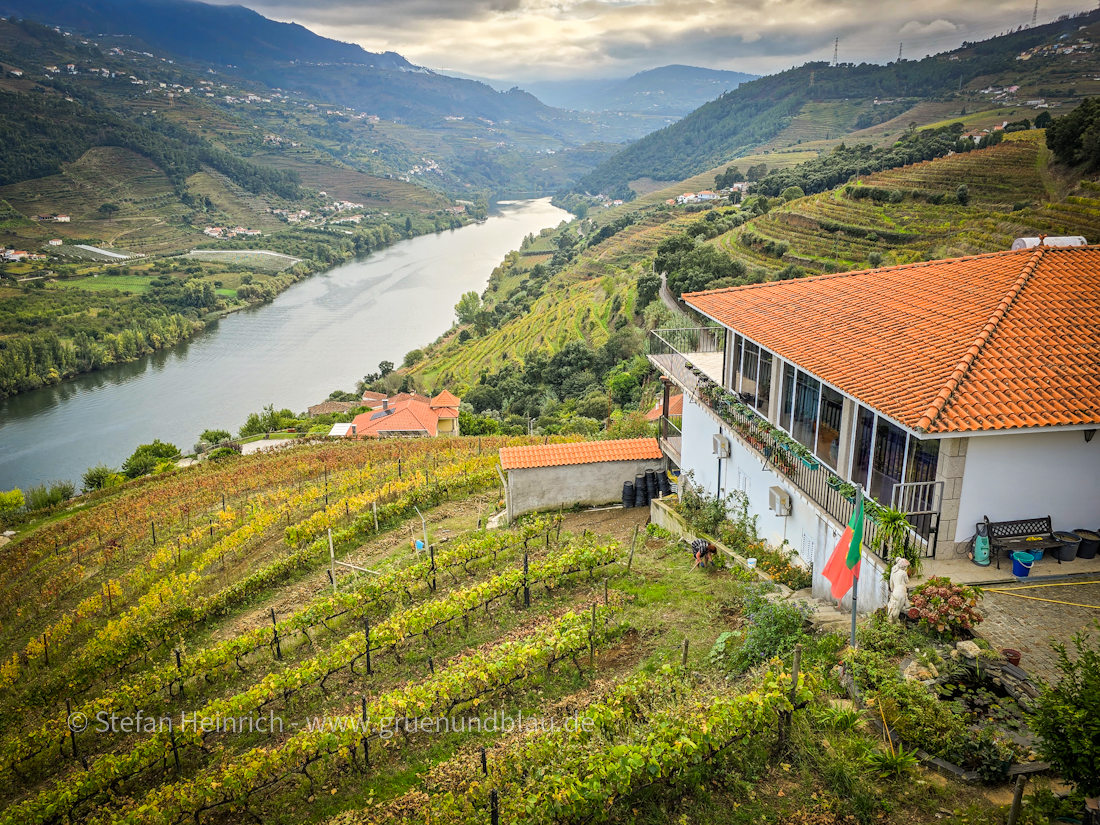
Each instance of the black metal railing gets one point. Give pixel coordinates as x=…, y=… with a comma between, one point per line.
x=671, y=435
x=672, y=350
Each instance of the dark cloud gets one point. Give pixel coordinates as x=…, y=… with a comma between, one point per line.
x=550, y=39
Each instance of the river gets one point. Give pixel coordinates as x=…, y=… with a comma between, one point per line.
x=322, y=334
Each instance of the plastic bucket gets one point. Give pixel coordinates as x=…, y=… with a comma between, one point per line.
x=1021, y=564
x=1090, y=544
x=752, y=563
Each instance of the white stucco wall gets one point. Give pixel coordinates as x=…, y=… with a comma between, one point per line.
x=1026, y=475
x=535, y=489
x=810, y=532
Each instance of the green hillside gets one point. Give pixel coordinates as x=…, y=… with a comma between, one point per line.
x=821, y=102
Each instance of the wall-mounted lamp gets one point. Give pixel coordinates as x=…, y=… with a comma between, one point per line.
x=1088, y=435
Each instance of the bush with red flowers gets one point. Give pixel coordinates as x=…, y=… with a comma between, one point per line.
x=946, y=608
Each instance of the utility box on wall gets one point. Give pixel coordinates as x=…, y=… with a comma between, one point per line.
x=721, y=446
x=779, y=501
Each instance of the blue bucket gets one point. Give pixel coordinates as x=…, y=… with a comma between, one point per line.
x=1021, y=564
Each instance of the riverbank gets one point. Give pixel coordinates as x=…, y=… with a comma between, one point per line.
x=323, y=333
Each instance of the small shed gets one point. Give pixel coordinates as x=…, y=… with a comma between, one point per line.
x=547, y=476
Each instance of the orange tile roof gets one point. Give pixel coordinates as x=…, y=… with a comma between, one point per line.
x=675, y=407
x=409, y=415
x=1001, y=341
x=446, y=399
x=579, y=452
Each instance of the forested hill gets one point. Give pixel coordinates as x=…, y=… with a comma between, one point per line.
x=201, y=32
x=757, y=111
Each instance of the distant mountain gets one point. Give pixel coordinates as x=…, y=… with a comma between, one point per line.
x=224, y=35
x=757, y=111
x=667, y=90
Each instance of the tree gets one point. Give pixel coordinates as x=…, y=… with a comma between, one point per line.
x=874, y=258
x=147, y=456
x=98, y=477
x=385, y=368
x=756, y=172
x=1075, y=137
x=412, y=357
x=11, y=506
x=793, y=193
x=108, y=210
x=481, y=397
x=962, y=194
x=215, y=436
x=408, y=226
x=649, y=285
x=467, y=307
x=1042, y=120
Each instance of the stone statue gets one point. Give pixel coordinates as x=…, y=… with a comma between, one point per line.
x=899, y=589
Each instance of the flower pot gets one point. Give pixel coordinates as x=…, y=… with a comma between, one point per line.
x=810, y=463
x=834, y=485
x=1012, y=655
x=1070, y=543
x=1090, y=544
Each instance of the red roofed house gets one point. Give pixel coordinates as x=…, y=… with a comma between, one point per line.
x=409, y=415
x=547, y=476
x=952, y=390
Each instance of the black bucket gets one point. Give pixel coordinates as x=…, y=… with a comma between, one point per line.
x=628, y=494
x=641, y=495
x=1090, y=544
x=651, y=483
x=663, y=485
x=1070, y=543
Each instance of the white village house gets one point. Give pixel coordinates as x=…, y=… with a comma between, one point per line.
x=953, y=390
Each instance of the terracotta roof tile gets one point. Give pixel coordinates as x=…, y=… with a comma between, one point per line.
x=581, y=452
x=987, y=342
x=675, y=407
x=446, y=399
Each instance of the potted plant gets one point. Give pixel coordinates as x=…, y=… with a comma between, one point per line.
x=834, y=482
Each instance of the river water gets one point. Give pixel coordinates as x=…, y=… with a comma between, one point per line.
x=322, y=334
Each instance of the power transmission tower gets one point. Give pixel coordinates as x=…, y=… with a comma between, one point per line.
x=836, y=49
x=811, y=79
x=899, y=51
x=1035, y=14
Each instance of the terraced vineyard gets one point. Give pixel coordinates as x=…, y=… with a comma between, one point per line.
x=1012, y=191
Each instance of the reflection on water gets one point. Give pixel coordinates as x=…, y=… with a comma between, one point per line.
x=320, y=335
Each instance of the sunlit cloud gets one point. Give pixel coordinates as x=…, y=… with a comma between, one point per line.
x=549, y=39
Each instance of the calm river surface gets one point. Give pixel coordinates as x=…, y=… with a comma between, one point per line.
x=322, y=334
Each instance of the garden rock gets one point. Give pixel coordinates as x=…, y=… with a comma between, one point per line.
x=917, y=672
x=968, y=649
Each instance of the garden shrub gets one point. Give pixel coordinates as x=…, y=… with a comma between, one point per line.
x=774, y=628
x=881, y=635
x=780, y=565
x=1067, y=716
x=946, y=608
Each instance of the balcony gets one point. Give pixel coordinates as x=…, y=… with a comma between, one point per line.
x=693, y=359
x=682, y=354
x=672, y=440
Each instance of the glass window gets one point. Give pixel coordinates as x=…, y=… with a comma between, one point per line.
x=735, y=367
x=924, y=456
x=865, y=428
x=804, y=420
x=887, y=461
x=828, y=426
x=764, y=383
x=788, y=397
x=748, y=373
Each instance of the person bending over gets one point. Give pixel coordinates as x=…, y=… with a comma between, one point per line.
x=704, y=552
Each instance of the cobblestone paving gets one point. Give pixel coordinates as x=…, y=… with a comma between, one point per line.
x=1029, y=626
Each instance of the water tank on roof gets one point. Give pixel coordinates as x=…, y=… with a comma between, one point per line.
x=1064, y=240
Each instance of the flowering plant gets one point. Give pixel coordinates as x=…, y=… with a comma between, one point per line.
x=946, y=607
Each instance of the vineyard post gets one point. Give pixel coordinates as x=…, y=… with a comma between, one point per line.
x=177, y=549
x=494, y=807
x=331, y=562
x=275, y=630
x=179, y=669
x=431, y=665
x=605, y=591
x=46, y=649
x=484, y=761
x=366, y=632
x=787, y=716
x=223, y=502
x=110, y=606
x=633, y=540
x=153, y=526
x=684, y=658
x=592, y=637
x=175, y=751
x=526, y=584
x=366, y=745
x=431, y=550
x=374, y=507
x=561, y=518
x=399, y=467
x=72, y=732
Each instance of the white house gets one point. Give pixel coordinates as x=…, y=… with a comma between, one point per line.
x=953, y=390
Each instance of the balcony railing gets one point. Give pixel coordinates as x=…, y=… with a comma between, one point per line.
x=671, y=437
x=684, y=353
x=787, y=457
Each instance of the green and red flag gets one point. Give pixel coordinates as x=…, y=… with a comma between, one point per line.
x=843, y=565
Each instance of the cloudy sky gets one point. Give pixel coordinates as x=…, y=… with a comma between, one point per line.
x=563, y=39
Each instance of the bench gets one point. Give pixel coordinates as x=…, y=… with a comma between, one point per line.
x=1021, y=535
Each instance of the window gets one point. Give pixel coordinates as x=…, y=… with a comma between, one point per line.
x=750, y=363
x=735, y=367
x=742, y=482
x=788, y=397
x=828, y=426
x=861, y=460
x=806, y=551
x=764, y=383
x=887, y=461
x=804, y=418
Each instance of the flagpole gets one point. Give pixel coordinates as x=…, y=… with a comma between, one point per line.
x=855, y=579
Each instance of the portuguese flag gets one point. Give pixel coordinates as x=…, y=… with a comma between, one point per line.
x=843, y=565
